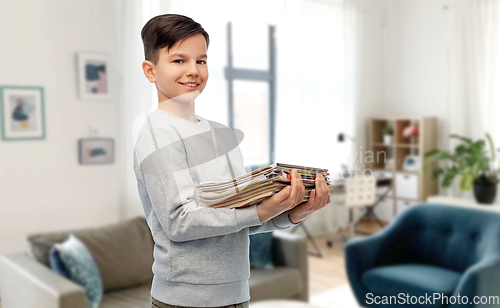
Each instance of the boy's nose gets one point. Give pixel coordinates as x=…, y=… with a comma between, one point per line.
x=192, y=69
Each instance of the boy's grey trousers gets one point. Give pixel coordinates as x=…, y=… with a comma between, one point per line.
x=157, y=304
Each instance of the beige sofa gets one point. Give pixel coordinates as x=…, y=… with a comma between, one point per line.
x=123, y=254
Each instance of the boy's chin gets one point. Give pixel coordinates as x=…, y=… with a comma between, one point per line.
x=186, y=97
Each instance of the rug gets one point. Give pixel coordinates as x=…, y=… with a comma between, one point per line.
x=341, y=297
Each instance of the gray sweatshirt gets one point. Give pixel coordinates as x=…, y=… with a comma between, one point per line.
x=201, y=254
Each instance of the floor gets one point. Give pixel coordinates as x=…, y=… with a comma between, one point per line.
x=328, y=272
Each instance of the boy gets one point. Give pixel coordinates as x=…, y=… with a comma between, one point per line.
x=201, y=254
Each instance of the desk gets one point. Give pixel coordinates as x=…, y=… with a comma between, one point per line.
x=338, y=187
x=334, y=215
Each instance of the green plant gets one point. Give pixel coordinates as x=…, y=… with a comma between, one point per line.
x=470, y=160
x=387, y=131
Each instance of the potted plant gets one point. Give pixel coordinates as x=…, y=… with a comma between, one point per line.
x=387, y=132
x=470, y=159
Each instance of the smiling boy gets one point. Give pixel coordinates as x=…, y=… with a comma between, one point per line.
x=201, y=254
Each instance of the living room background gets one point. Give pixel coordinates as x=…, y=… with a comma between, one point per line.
x=403, y=72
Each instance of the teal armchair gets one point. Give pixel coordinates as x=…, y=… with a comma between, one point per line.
x=428, y=256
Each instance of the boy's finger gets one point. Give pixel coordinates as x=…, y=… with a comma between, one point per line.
x=325, y=187
x=295, y=186
x=322, y=184
x=301, y=189
x=318, y=184
x=312, y=197
x=324, y=190
x=300, y=186
x=283, y=194
x=300, y=178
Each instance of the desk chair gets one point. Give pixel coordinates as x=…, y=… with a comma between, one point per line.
x=360, y=191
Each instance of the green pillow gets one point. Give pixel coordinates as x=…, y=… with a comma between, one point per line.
x=261, y=253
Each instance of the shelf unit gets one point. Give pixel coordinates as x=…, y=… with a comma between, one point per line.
x=409, y=187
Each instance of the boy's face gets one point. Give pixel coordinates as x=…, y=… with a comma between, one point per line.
x=184, y=64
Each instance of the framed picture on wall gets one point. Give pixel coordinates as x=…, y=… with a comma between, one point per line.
x=96, y=151
x=22, y=113
x=94, y=73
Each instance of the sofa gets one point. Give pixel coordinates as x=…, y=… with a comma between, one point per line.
x=123, y=253
x=427, y=253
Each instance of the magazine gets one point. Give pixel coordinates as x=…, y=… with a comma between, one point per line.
x=255, y=186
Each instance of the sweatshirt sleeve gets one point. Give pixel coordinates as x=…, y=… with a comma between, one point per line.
x=280, y=222
x=165, y=178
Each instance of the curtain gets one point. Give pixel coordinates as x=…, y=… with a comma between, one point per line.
x=318, y=70
x=133, y=90
x=474, y=70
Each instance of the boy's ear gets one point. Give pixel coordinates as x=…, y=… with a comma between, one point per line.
x=148, y=67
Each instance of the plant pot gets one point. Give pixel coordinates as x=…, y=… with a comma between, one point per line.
x=485, y=190
x=388, y=139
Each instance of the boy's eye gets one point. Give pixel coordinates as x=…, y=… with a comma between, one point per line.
x=204, y=62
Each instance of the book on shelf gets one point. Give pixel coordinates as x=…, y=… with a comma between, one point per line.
x=253, y=187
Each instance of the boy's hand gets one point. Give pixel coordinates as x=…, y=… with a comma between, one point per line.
x=283, y=201
x=318, y=199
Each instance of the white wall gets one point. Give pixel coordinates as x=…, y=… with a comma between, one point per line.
x=416, y=34
x=405, y=61
x=42, y=185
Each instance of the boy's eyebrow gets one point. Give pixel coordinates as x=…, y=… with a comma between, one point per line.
x=183, y=55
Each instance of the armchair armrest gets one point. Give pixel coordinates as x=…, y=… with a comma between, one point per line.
x=27, y=283
x=362, y=254
x=290, y=250
x=481, y=279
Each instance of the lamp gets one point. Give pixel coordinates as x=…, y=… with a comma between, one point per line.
x=341, y=137
x=345, y=169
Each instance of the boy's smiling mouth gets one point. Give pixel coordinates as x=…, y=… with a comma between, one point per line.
x=190, y=85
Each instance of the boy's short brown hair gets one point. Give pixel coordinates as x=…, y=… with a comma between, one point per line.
x=165, y=31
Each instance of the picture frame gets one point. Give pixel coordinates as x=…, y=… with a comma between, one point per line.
x=411, y=163
x=94, y=76
x=93, y=151
x=22, y=113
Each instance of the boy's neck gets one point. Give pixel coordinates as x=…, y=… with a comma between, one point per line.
x=183, y=110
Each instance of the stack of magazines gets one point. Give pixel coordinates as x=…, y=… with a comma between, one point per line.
x=253, y=187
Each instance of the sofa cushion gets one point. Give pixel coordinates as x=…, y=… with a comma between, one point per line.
x=123, y=252
x=413, y=279
x=82, y=269
x=136, y=297
x=261, y=252
x=280, y=282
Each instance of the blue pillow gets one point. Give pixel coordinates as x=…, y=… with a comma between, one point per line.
x=261, y=253
x=81, y=268
x=57, y=264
